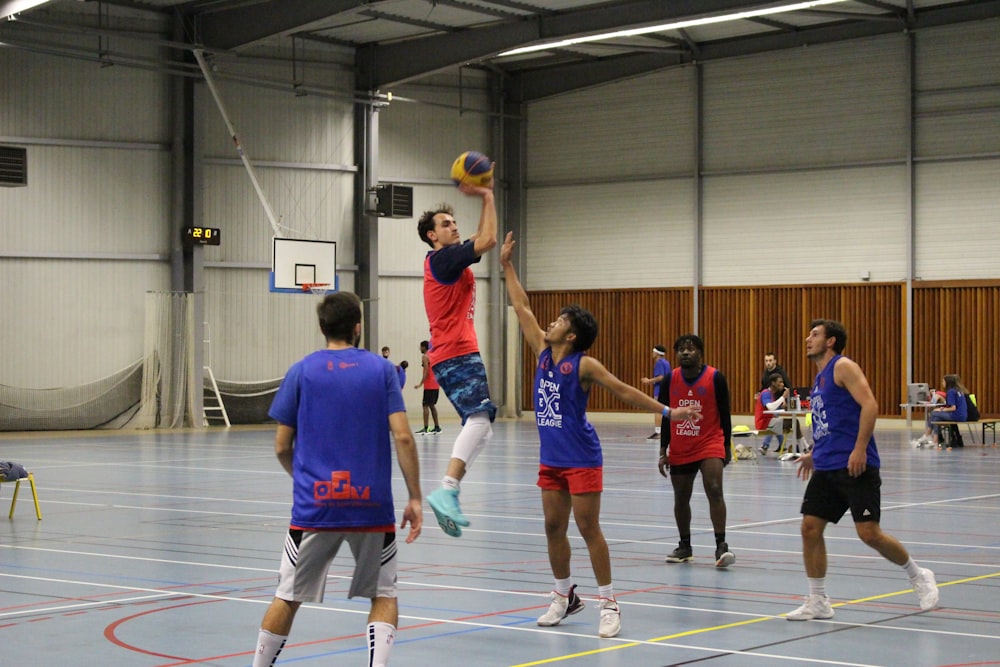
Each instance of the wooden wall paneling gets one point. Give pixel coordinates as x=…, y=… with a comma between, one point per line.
x=955, y=329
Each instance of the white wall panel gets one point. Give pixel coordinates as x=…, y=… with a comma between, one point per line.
x=89, y=200
x=958, y=100
x=71, y=322
x=610, y=235
x=958, y=220
x=806, y=227
x=45, y=96
x=825, y=105
x=422, y=140
x=640, y=128
x=278, y=126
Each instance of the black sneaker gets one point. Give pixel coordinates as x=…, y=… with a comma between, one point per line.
x=723, y=556
x=681, y=554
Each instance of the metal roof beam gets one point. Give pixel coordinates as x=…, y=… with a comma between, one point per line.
x=382, y=65
x=241, y=25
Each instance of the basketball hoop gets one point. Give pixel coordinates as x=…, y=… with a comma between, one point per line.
x=319, y=289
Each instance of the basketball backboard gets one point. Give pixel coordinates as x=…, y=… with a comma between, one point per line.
x=296, y=263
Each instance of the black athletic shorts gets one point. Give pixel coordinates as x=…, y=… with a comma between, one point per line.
x=830, y=493
x=431, y=396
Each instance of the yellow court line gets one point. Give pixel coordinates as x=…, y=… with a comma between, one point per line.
x=726, y=626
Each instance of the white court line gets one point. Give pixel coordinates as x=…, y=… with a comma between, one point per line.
x=84, y=605
x=493, y=626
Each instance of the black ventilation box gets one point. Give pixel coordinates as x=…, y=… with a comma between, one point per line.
x=13, y=166
x=394, y=201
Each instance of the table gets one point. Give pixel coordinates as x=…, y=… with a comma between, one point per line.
x=791, y=453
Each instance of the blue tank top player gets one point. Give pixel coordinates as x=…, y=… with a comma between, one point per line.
x=843, y=471
x=570, y=472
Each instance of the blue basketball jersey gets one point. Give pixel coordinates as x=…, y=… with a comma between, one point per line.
x=339, y=402
x=835, y=419
x=568, y=439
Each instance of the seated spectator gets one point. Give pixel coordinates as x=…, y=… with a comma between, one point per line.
x=954, y=410
x=775, y=397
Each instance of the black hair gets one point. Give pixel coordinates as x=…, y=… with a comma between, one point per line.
x=404, y=364
x=774, y=376
x=426, y=223
x=582, y=323
x=425, y=345
x=832, y=329
x=690, y=339
x=339, y=313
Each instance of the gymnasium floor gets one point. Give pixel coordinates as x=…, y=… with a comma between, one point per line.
x=160, y=549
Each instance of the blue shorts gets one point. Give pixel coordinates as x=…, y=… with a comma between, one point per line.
x=463, y=380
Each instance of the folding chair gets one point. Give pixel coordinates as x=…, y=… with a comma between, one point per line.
x=17, y=487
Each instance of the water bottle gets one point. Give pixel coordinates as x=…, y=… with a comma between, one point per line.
x=796, y=402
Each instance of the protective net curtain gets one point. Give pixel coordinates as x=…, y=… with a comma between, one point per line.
x=168, y=362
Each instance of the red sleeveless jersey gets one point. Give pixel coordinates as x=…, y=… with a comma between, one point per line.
x=451, y=312
x=695, y=441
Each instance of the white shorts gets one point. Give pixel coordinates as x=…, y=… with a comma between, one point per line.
x=309, y=554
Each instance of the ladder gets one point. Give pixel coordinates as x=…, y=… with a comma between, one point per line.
x=211, y=402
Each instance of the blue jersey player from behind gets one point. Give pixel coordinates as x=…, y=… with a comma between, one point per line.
x=570, y=472
x=843, y=471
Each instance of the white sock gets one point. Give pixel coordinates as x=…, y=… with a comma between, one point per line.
x=606, y=592
x=657, y=430
x=564, y=586
x=449, y=483
x=817, y=586
x=472, y=439
x=912, y=569
x=269, y=645
x=380, y=639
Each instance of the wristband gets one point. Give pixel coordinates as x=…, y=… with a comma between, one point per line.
x=666, y=412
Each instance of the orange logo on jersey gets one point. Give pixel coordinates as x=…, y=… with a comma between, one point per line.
x=339, y=488
x=565, y=368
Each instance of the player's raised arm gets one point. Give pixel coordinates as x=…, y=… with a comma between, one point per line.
x=533, y=333
x=594, y=372
x=485, y=238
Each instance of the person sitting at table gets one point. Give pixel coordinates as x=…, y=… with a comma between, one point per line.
x=775, y=397
x=954, y=410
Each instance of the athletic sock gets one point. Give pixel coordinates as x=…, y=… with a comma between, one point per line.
x=686, y=541
x=269, y=645
x=817, y=586
x=606, y=592
x=380, y=639
x=911, y=568
x=449, y=483
x=719, y=538
x=564, y=586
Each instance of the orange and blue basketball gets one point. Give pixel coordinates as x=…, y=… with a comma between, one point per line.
x=472, y=168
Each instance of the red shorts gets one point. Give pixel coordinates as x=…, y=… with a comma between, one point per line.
x=574, y=480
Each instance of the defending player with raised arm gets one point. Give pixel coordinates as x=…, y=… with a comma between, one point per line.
x=570, y=471
x=450, y=302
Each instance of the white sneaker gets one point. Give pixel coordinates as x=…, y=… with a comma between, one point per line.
x=816, y=606
x=561, y=607
x=611, y=619
x=926, y=589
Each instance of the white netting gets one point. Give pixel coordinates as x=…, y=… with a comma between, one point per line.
x=168, y=362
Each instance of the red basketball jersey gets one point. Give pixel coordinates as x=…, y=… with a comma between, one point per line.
x=695, y=441
x=451, y=312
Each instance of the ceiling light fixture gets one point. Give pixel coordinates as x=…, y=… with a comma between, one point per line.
x=12, y=7
x=736, y=16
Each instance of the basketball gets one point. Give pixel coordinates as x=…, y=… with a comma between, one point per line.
x=473, y=168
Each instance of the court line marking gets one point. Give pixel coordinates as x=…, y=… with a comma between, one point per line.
x=689, y=633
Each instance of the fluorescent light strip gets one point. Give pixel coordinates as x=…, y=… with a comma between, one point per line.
x=670, y=26
x=12, y=7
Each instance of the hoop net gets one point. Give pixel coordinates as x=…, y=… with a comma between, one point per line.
x=316, y=288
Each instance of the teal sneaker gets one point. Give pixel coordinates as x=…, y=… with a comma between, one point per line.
x=449, y=515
